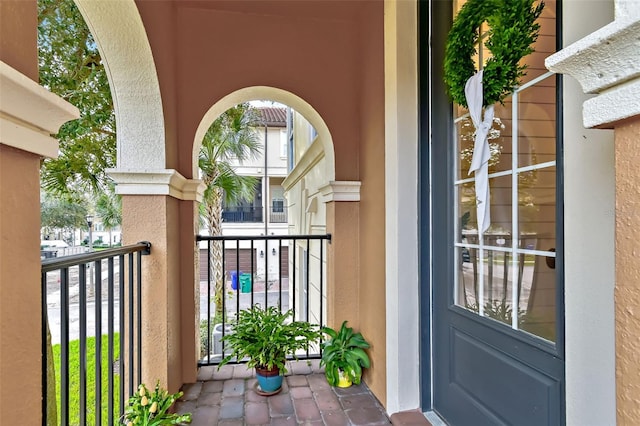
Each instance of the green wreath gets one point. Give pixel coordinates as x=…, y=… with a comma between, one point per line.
x=512, y=31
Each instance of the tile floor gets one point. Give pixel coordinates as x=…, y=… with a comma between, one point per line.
x=227, y=397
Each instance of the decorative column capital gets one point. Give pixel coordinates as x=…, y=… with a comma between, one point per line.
x=157, y=182
x=607, y=63
x=341, y=191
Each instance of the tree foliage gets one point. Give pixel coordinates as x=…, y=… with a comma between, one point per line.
x=71, y=67
x=62, y=214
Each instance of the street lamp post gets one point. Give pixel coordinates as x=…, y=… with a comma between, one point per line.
x=90, y=224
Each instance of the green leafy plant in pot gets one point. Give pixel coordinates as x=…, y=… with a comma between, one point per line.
x=344, y=356
x=266, y=337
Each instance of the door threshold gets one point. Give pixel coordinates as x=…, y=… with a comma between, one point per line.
x=434, y=418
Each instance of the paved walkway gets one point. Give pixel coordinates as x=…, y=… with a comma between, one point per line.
x=227, y=397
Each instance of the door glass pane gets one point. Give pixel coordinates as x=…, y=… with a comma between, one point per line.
x=499, y=276
x=538, y=295
x=501, y=208
x=466, y=294
x=498, y=302
x=467, y=218
x=537, y=206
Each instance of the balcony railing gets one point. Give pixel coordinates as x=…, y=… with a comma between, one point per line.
x=84, y=295
x=284, y=271
x=242, y=214
x=278, y=215
x=253, y=215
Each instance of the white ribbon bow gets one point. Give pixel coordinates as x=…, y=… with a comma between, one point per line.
x=481, y=152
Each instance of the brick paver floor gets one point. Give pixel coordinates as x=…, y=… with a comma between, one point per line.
x=227, y=397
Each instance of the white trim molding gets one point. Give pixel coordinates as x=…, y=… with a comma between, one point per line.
x=404, y=363
x=607, y=63
x=157, y=182
x=341, y=191
x=30, y=114
x=310, y=158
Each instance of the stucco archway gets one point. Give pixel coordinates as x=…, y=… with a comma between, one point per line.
x=122, y=40
x=271, y=93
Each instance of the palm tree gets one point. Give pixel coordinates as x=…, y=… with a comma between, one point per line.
x=232, y=136
x=109, y=208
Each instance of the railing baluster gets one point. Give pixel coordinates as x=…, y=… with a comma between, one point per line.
x=293, y=286
x=45, y=344
x=110, y=334
x=131, y=330
x=121, y=326
x=82, y=273
x=64, y=346
x=307, y=283
x=253, y=272
x=97, y=302
x=280, y=275
x=139, y=330
x=208, y=340
x=238, y=281
x=224, y=294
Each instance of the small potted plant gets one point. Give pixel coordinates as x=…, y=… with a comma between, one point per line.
x=343, y=356
x=152, y=408
x=266, y=337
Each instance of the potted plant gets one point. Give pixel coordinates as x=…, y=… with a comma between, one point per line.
x=152, y=408
x=343, y=356
x=266, y=337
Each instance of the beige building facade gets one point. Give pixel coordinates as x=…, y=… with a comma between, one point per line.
x=358, y=73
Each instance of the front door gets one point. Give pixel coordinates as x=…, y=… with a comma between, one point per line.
x=497, y=318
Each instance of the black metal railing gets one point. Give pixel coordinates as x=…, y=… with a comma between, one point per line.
x=249, y=214
x=92, y=380
x=278, y=215
x=283, y=271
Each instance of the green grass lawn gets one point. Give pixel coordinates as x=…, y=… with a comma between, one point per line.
x=74, y=380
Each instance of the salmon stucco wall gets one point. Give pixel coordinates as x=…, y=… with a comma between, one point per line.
x=154, y=218
x=20, y=292
x=371, y=295
x=627, y=290
x=18, y=37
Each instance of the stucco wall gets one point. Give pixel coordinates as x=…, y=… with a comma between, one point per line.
x=156, y=219
x=220, y=47
x=18, y=38
x=371, y=294
x=627, y=291
x=20, y=294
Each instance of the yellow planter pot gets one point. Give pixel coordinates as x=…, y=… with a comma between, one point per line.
x=343, y=380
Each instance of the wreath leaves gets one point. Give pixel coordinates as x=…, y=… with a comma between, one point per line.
x=512, y=31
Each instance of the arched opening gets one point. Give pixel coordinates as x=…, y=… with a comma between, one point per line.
x=291, y=171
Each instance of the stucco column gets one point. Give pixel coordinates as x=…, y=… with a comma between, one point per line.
x=342, y=210
x=627, y=290
x=607, y=63
x=28, y=115
x=160, y=207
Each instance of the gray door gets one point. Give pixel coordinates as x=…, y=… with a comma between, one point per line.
x=497, y=318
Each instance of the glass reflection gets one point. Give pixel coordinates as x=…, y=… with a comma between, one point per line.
x=537, y=297
x=537, y=206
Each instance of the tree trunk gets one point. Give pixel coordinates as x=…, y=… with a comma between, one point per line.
x=214, y=222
